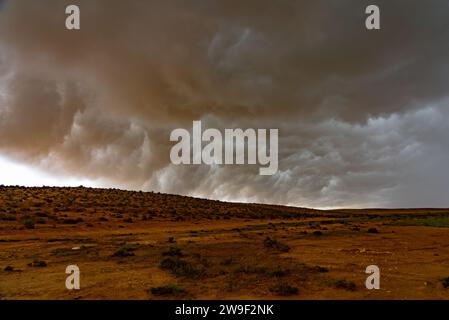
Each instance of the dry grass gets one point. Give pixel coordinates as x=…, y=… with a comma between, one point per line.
x=180, y=247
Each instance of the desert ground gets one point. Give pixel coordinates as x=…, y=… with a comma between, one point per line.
x=144, y=245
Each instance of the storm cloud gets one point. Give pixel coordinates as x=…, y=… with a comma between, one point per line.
x=362, y=115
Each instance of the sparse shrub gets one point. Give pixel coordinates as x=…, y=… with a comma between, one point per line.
x=7, y=217
x=8, y=269
x=277, y=272
x=42, y=214
x=128, y=220
x=284, y=289
x=227, y=262
x=345, y=284
x=28, y=223
x=320, y=269
x=173, y=251
x=181, y=267
x=39, y=204
x=373, y=230
x=317, y=233
x=103, y=219
x=41, y=221
x=249, y=269
x=170, y=289
x=272, y=243
x=125, y=251
x=72, y=221
x=445, y=282
x=37, y=264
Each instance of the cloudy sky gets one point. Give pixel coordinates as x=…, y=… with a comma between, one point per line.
x=363, y=116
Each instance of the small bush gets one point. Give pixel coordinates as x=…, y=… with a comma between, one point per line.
x=373, y=230
x=72, y=221
x=277, y=272
x=7, y=217
x=227, y=262
x=274, y=244
x=345, y=284
x=445, y=282
x=41, y=221
x=28, y=223
x=320, y=269
x=42, y=214
x=181, y=268
x=173, y=251
x=8, y=269
x=167, y=290
x=284, y=290
x=37, y=264
x=250, y=269
x=125, y=251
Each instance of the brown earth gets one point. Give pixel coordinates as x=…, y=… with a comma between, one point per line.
x=127, y=243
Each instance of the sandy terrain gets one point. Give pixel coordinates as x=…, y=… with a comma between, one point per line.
x=134, y=245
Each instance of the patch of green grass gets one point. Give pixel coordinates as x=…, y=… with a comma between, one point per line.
x=438, y=222
x=28, y=223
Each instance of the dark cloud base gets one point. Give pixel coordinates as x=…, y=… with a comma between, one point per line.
x=362, y=116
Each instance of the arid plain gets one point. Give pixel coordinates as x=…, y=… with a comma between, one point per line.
x=143, y=245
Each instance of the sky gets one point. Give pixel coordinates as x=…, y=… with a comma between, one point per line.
x=14, y=173
x=363, y=116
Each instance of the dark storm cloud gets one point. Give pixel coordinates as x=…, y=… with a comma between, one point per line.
x=362, y=115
